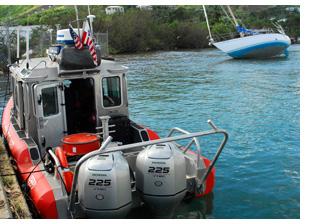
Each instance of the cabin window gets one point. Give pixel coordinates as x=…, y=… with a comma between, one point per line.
x=111, y=91
x=49, y=101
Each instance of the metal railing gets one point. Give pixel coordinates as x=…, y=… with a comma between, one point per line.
x=193, y=141
x=196, y=143
x=218, y=37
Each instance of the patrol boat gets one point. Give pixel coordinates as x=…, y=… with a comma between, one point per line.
x=78, y=153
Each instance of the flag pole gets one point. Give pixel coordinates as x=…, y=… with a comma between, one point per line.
x=91, y=20
x=77, y=19
x=88, y=9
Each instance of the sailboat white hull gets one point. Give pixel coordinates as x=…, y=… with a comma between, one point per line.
x=256, y=46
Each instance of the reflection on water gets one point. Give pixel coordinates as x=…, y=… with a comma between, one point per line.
x=196, y=209
x=190, y=208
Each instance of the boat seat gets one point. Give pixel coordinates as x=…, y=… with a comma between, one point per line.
x=121, y=130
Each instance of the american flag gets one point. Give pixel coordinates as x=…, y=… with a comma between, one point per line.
x=87, y=39
x=92, y=50
x=77, y=41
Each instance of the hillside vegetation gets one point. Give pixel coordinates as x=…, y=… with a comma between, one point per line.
x=163, y=28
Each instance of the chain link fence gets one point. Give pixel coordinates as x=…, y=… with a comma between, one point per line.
x=40, y=39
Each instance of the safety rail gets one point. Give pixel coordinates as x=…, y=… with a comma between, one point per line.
x=194, y=140
x=57, y=165
x=219, y=37
x=198, y=148
x=39, y=64
x=187, y=135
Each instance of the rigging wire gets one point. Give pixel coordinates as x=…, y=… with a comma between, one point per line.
x=13, y=174
x=230, y=19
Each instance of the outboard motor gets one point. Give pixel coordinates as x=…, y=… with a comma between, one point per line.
x=104, y=188
x=161, y=177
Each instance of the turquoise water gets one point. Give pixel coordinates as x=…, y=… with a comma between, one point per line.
x=256, y=101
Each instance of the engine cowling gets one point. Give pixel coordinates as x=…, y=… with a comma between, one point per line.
x=104, y=188
x=161, y=177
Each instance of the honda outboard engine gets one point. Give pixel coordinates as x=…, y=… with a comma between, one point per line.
x=104, y=188
x=161, y=177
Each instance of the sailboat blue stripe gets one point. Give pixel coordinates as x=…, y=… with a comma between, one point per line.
x=247, y=50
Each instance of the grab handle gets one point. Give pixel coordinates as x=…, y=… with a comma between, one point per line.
x=217, y=154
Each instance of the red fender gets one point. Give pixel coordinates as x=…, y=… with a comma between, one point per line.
x=68, y=179
x=210, y=181
x=42, y=195
x=67, y=174
x=152, y=134
x=40, y=191
x=62, y=157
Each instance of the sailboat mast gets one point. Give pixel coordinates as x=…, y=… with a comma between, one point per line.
x=207, y=20
x=232, y=15
x=234, y=19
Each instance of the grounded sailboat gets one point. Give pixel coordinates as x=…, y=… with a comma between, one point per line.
x=252, y=44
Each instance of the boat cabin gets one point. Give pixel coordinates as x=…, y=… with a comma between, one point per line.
x=51, y=102
x=62, y=106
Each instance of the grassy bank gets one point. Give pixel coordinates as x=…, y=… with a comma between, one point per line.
x=17, y=202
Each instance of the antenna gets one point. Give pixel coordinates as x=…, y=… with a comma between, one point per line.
x=88, y=10
x=27, y=48
x=17, y=44
x=77, y=19
x=91, y=19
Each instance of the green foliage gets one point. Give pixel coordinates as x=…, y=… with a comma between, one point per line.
x=191, y=36
x=9, y=12
x=163, y=28
x=130, y=32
